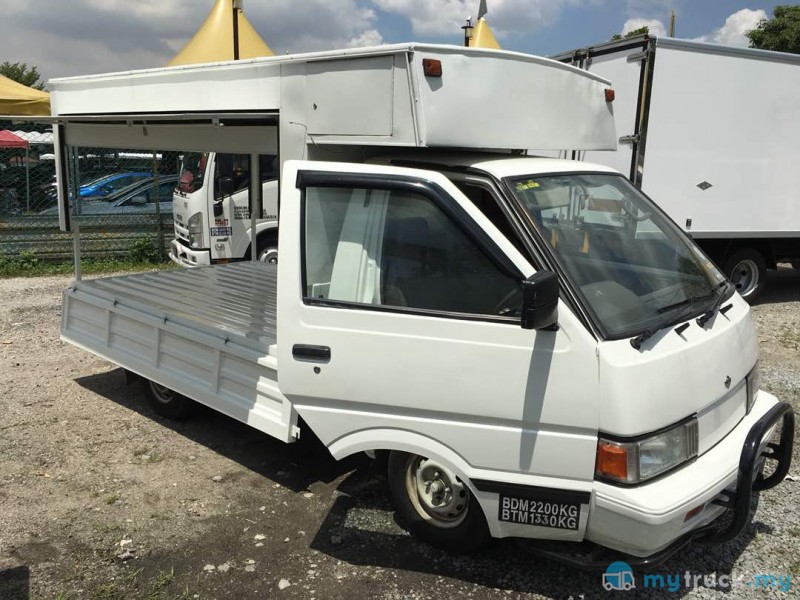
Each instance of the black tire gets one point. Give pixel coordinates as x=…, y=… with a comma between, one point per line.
x=747, y=270
x=166, y=402
x=457, y=525
x=267, y=247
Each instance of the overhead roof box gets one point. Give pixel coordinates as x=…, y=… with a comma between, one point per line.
x=375, y=96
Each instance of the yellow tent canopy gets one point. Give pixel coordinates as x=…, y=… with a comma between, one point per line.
x=213, y=42
x=17, y=99
x=482, y=36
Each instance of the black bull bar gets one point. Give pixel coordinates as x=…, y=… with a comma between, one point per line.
x=755, y=452
x=750, y=478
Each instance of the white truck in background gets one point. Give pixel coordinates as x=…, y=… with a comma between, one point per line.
x=537, y=349
x=212, y=209
x=711, y=134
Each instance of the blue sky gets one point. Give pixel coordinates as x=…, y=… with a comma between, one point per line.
x=77, y=37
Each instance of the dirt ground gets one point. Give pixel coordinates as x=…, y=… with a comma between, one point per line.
x=100, y=498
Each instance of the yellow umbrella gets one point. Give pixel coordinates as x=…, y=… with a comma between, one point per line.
x=17, y=99
x=213, y=42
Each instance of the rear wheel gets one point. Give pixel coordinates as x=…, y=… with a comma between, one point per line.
x=435, y=504
x=747, y=270
x=166, y=402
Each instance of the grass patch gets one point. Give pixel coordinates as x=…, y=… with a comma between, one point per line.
x=159, y=584
x=111, y=498
x=27, y=264
x=107, y=591
x=132, y=578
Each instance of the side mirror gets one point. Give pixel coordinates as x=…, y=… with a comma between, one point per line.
x=218, y=209
x=225, y=186
x=540, y=300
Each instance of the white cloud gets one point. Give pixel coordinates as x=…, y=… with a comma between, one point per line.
x=655, y=26
x=444, y=18
x=94, y=36
x=733, y=32
x=370, y=37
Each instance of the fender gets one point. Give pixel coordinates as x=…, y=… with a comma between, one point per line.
x=407, y=441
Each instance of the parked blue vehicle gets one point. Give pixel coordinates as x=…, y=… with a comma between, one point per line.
x=108, y=184
x=137, y=198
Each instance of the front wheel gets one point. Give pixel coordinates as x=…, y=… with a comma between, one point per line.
x=166, y=402
x=267, y=247
x=747, y=270
x=435, y=504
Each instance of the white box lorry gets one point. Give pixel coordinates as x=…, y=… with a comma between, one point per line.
x=711, y=134
x=214, y=188
x=535, y=347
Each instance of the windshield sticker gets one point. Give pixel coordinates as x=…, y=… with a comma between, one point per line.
x=527, y=185
x=608, y=205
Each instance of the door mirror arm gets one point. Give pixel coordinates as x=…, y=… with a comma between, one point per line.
x=540, y=301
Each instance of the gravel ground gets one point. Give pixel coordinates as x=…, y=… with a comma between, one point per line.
x=100, y=498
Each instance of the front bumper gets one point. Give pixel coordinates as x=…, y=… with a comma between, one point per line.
x=650, y=519
x=188, y=257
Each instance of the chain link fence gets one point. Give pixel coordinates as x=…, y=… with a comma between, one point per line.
x=120, y=199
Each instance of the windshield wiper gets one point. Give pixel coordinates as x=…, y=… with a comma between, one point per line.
x=722, y=288
x=689, y=300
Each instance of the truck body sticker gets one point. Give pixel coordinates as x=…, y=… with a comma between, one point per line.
x=219, y=231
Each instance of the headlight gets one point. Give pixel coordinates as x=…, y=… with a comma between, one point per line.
x=639, y=460
x=195, y=227
x=753, y=380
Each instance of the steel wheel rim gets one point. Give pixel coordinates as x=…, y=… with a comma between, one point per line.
x=162, y=393
x=269, y=256
x=744, y=277
x=436, y=493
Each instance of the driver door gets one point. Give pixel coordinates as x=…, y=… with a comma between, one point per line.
x=398, y=327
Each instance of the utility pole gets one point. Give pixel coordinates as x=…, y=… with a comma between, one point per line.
x=238, y=6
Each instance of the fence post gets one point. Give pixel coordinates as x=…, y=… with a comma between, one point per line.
x=159, y=231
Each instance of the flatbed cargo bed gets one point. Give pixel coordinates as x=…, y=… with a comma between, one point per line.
x=207, y=333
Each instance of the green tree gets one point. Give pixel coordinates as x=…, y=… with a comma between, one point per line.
x=635, y=32
x=22, y=73
x=780, y=33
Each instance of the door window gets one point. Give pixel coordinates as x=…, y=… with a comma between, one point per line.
x=398, y=249
x=237, y=167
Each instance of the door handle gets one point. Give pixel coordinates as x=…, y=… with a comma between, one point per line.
x=310, y=352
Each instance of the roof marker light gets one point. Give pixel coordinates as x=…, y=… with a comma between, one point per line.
x=432, y=67
x=610, y=95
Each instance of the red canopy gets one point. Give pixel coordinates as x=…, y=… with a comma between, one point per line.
x=9, y=140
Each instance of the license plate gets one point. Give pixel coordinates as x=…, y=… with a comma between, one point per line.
x=540, y=512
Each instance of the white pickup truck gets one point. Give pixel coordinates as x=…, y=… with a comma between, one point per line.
x=537, y=348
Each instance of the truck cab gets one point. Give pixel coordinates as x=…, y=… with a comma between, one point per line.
x=212, y=209
x=618, y=418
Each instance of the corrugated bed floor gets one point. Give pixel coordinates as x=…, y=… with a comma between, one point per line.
x=238, y=299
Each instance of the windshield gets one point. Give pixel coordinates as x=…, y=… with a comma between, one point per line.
x=193, y=170
x=634, y=269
